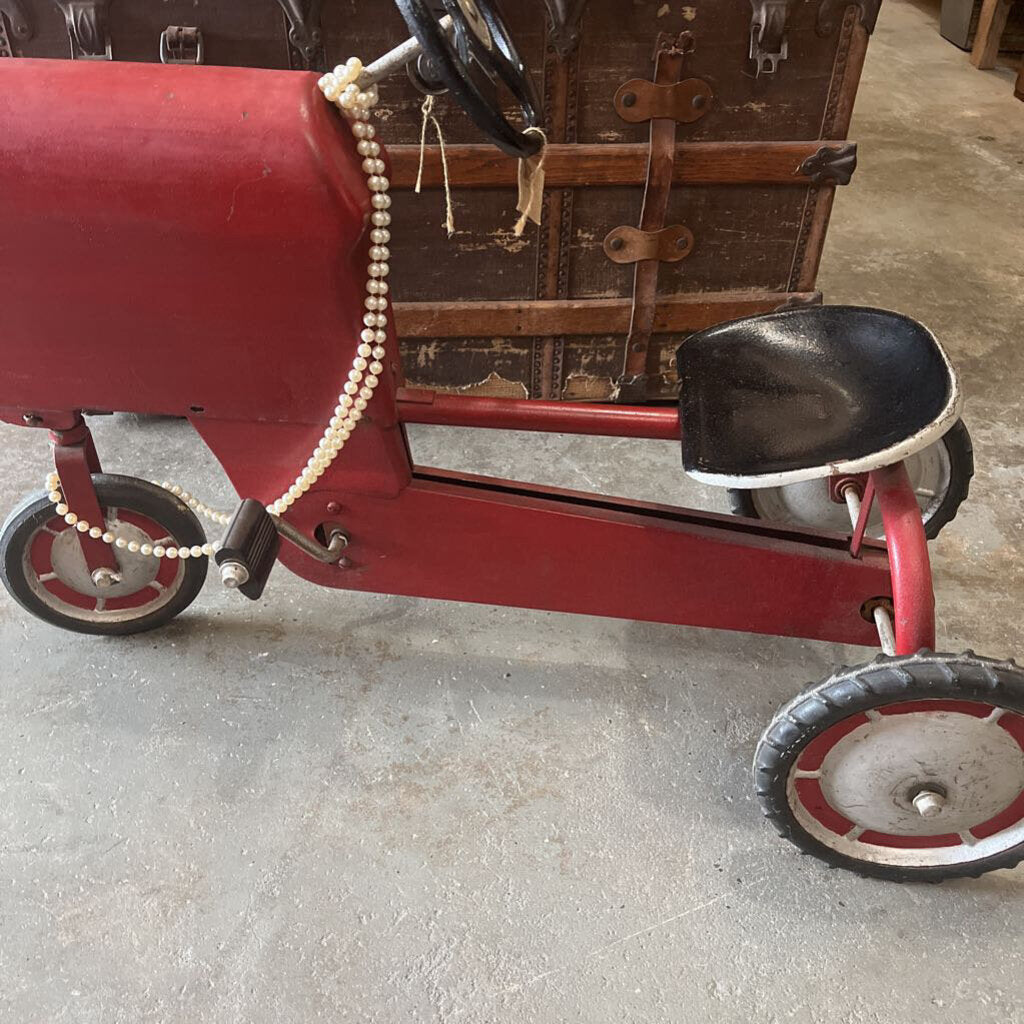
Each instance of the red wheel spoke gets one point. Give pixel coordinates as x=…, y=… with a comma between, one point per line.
x=1014, y=725
x=813, y=798
x=910, y=842
x=1004, y=820
x=974, y=708
x=69, y=596
x=816, y=751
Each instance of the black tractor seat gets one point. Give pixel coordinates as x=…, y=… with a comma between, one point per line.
x=811, y=392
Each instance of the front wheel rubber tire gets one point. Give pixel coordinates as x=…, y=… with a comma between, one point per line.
x=63, y=599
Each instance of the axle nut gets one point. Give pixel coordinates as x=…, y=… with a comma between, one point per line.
x=105, y=578
x=928, y=803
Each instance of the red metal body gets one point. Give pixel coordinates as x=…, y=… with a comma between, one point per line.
x=193, y=241
x=176, y=238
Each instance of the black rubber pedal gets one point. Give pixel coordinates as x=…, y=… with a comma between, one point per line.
x=249, y=549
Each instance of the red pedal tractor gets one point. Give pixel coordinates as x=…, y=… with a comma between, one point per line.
x=194, y=242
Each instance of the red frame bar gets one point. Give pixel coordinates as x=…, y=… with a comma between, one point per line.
x=75, y=459
x=453, y=536
x=910, y=567
x=422, y=406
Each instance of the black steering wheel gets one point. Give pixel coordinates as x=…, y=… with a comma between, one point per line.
x=471, y=60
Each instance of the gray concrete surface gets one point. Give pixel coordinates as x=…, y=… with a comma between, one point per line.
x=361, y=808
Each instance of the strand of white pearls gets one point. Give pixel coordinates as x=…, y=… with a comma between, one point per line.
x=341, y=88
x=135, y=547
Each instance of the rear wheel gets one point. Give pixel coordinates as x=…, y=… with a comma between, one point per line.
x=909, y=769
x=940, y=475
x=45, y=571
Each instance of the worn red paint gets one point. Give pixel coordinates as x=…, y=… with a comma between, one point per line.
x=913, y=596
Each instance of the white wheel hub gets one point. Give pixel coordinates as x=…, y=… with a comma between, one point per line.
x=909, y=785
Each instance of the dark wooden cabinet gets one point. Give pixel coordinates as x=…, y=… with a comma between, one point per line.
x=556, y=313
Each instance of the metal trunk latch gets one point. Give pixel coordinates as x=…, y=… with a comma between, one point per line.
x=768, y=43
x=565, y=24
x=181, y=44
x=305, y=36
x=13, y=14
x=88, y=33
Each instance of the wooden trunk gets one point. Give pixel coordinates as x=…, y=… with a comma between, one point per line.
x=556, y=313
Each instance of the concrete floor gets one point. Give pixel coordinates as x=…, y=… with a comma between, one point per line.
x=345, y=807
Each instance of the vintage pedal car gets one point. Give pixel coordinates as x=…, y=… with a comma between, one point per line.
x=234, y=227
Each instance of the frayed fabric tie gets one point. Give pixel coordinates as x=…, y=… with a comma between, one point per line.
x=428, y=116
x=531, y=184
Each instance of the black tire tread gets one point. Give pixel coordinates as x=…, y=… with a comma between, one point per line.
x=883, y=681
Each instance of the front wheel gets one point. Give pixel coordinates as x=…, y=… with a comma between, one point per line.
x=44, y=569
x=908, y=769
x=940, y=475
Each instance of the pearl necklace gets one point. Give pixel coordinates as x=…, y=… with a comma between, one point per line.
x=341, y=88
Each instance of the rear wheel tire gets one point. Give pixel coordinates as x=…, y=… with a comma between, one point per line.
x=44, y=569
x=940, y=475
x=907, y=769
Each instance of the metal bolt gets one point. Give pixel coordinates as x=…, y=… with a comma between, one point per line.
x=616, y=243
x=928, y=803
x=30, y=419
x=333, y=508
x=105, y=578
x=683, y=243
x=699, y=101
x=629, y=100
x=234, y=575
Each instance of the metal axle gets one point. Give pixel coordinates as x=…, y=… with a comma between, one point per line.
x=928, y=803
x=234, y=575
x=396, y=59
x=883, y=620
x=336, y=542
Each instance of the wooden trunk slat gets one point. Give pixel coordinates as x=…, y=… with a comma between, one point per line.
x=580, y=166
x=545, y=317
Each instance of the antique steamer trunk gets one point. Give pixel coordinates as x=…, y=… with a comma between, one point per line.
x=695, y=149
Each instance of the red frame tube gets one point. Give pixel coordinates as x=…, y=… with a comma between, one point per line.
x=422, y=406
x=913, y=595
x=75, y=459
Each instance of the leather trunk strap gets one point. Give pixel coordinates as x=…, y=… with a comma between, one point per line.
x=668, y=71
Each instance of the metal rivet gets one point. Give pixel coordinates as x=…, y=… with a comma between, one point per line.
x=683, y=243
x=616, y=244
x=333, y=508
x=699, y=101
x=638, y=346
x=30, y=419
x=629, y=100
